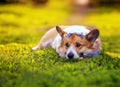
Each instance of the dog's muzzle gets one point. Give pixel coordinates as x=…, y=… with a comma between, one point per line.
x=70, y=55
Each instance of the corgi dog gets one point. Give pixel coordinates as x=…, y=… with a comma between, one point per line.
x=72, y=41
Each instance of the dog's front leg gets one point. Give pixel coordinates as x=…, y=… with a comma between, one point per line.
x=42, y=45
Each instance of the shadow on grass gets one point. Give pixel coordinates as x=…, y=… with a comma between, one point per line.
x=7, y=24
x=10, y=12
x=104, y=9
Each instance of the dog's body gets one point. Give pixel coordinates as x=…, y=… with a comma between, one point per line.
x=72, y=41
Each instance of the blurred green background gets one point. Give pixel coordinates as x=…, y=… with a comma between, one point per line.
x=23, y=23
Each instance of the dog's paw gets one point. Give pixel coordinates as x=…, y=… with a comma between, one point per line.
x=35, y=48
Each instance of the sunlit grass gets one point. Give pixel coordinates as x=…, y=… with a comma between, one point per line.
x=107, y=22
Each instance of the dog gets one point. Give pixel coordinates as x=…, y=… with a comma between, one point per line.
x=72, y=42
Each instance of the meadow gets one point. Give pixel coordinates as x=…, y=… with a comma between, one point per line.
x=21, y=27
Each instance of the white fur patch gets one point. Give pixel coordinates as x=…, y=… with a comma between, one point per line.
x=56, y=43
x=77, y=29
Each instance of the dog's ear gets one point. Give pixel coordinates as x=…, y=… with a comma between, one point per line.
x=60, y=31
x=92, y=35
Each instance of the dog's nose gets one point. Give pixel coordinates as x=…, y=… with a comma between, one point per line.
x=81, y=54
x=70, y=55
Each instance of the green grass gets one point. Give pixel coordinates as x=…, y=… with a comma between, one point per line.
x=21, y=27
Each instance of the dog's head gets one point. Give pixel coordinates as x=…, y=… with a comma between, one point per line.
x=74, y=46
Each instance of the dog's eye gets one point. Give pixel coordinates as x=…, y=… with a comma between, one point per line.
x=78, y=44
x=67, y=44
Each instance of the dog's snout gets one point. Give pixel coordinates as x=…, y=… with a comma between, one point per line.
x=81, y=54
x=70, y=55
